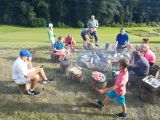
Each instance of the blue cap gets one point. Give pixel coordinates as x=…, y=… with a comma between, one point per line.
x=25, y=53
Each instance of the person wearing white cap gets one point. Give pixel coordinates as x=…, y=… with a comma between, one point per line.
x=51, y=35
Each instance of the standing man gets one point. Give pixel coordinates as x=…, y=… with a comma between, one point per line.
x=122, y=41
x=93, y=23
x=51, y=35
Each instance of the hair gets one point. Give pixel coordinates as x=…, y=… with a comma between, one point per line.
x=60, y=38
x=144, y=46
x=146, y=40
x=136, y=55
x=123, y=62
x=122, y=29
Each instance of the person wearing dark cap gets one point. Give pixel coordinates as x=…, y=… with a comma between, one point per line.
x=122, y=41
x=23, y=72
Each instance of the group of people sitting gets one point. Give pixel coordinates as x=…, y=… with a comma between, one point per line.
x=141, y=60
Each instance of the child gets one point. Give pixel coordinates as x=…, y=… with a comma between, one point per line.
x=118, y=90
x=69, y=41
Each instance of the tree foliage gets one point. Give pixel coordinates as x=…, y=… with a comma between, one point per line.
x=76, y=13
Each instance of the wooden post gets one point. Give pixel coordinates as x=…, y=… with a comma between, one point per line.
x=63, y=66
x=54, y=57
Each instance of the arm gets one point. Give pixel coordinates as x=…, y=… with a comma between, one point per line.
x=103, y=91
x=30, y=63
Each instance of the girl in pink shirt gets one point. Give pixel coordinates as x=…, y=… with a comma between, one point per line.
x=118, y=90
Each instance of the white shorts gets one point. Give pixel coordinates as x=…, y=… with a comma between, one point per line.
x=22, y=80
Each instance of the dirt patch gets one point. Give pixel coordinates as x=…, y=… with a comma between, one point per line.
x=143, y=33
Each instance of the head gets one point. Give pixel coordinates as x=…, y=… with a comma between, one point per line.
x=92, y=17
x=145, y=41
x=69, y=35
x=123, y=64
x=60, y=39
x=144, y=48
x=25, y=54
x=90, y=29
x=122, y=31
x=50, y=25
x=136, y=55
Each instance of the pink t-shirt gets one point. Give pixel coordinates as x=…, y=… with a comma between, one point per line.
x=121, y=79
x=150, y=56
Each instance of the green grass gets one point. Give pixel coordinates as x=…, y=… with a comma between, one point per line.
x=62, y=99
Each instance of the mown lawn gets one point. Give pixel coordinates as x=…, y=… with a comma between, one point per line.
x=63, y=99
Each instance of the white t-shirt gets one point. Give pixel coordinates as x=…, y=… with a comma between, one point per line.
x=19, y=69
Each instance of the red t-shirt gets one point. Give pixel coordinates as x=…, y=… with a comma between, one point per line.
x=68, y=40
x=121, y=79
x=150, y=56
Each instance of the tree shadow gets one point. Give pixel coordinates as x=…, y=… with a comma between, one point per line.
x=12, y=106
x=8, y=87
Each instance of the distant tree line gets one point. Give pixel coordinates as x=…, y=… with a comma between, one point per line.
x=75, y=13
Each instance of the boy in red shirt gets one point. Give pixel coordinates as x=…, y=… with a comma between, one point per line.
x=69, y=41
x=118, y=90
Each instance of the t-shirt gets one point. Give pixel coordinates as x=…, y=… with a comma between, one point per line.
x=122, y=80
x=142, y=66
x=93, y=23
x=19, y=69
x=58, y=45
x=51, y=36
x=150, y=56
x=68, y=40
x=122, y=39
x=84, y=31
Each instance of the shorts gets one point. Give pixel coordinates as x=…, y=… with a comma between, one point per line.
x=22, y=80
x=120, y=99
x=84, y=37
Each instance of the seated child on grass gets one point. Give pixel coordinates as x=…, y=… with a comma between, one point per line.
x=117, y=91
x=59, y=49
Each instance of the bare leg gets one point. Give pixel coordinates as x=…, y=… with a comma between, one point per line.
x=124, y=108
x=43, y=75
x=34, y=79
x=106, y=100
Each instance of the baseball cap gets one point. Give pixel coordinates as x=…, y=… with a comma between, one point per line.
x=25, y=53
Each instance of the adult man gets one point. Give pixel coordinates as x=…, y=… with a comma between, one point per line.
x=22, y=71
x=122, y=41
x=59, y=49
x=94, y=24
x=148, y=54
x=50, y=34
x=69, y=41
x=86, y=34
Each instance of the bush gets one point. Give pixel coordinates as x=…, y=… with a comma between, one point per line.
x=80, y=24
x=37, y=22
x=61, y=25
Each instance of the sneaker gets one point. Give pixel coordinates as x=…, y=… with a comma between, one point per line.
x=121, y=115
x=65, y=59
x=44, y=81
x=100, y=104
x=51, y=79
x=33, y=92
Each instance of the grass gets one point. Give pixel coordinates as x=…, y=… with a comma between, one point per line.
x=62, y=99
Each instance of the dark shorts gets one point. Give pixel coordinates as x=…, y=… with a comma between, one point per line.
x=84, y=37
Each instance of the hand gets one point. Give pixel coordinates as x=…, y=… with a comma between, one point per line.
x=29, y=59
x=101, y=91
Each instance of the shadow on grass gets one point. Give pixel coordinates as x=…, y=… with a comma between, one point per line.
x=12, y=106
x=8, y=87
